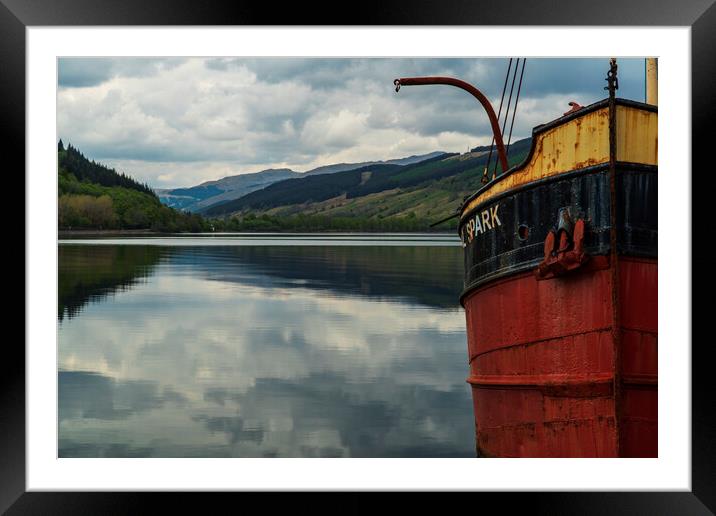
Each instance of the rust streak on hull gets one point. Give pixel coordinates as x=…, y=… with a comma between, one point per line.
x=555, y=398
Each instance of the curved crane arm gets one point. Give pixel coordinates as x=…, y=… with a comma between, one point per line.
x=419, y=81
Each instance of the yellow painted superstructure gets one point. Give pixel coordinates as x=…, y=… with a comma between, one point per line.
x=637, y=135
x=578, y=143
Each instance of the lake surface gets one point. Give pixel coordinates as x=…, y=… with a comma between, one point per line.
x=263, y=346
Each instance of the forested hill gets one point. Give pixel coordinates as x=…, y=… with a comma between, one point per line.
x=93, y=196
x=205, y=195
x=352, y=183
x=89, y=171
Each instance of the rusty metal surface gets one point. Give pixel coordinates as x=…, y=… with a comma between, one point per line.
x=527, y=216
x=637, y=135
x=566, y=366
x=613, y=85
x=542, y=364
x=638, y=123
x=652, y=90
x=586, y=192
x=519, y=313
x=573, y=106
x=558, y=384
x=579, y=143
x=638, y=289
x=563, y=249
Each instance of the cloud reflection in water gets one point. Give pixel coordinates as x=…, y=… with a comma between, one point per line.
x=276, y=352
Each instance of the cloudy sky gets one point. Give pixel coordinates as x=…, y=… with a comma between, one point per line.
x=175, y=122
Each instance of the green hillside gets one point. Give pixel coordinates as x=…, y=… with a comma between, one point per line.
x=93, y=196
x=372, y=198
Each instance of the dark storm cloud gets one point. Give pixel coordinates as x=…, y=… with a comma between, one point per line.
x=83, y=72
x=91, y=71
x=551, y=75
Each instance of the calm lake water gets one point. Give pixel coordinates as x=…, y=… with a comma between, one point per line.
x=263, y=346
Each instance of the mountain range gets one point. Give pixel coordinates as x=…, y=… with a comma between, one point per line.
x=204, y=196
x=370, y=197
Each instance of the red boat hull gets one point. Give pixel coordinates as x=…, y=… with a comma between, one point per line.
x=557, y=370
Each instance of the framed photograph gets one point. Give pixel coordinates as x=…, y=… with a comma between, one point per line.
x=256, y=256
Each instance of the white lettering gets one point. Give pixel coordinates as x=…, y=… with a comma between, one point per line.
x=480, y=223
x=486, y=220
x=478, y=226
x=493, y=214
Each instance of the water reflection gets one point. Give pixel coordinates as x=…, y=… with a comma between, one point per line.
x=86, y=275
x=268, y=351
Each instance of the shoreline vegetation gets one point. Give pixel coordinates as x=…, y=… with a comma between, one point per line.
x=83, y=233
x=93, y=196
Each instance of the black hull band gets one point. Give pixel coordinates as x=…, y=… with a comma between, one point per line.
x=505, y=234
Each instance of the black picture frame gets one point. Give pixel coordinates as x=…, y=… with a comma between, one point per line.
x=700, y=15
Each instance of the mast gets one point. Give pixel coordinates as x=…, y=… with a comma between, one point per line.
x=652, y=91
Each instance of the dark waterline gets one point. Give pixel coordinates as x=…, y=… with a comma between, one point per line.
x=337, y=348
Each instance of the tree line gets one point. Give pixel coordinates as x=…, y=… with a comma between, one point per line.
x=92, y=196
x=85, y=170
x=313, y=223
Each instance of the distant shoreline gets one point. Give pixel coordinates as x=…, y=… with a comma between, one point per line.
x=105, y=232
x=65, y=233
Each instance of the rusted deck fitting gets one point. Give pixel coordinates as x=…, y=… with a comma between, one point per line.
x=451, y=81
x=563, y=249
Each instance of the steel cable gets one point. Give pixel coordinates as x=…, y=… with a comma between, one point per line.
x=499, y=112
x=507, y=111
x=514, y=112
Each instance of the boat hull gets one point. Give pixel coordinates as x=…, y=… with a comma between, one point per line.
x=561, y=291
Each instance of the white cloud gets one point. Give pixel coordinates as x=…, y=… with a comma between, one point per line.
x=178, y=122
